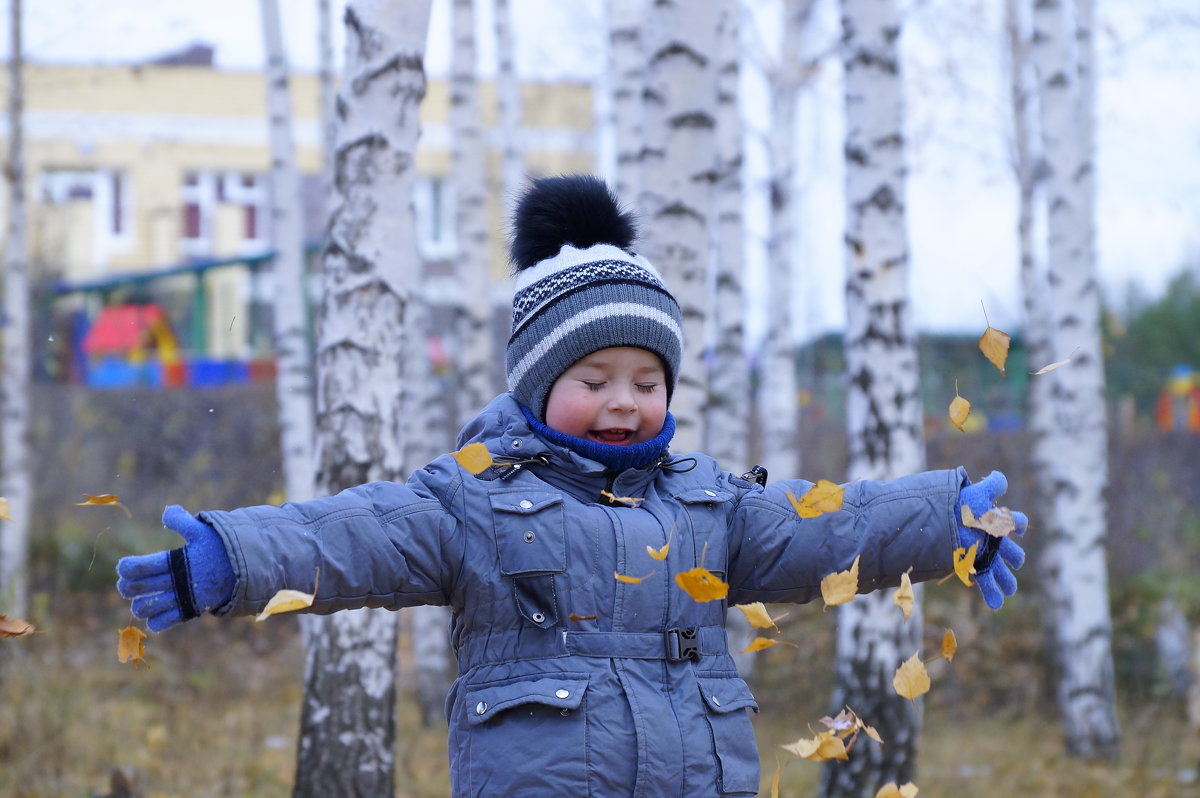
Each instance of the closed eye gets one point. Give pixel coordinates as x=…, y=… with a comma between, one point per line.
x=593, y=386
x=647, y=387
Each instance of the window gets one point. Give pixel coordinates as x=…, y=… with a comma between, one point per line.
x=204, y=191
x=434, y=206
x=108, y=192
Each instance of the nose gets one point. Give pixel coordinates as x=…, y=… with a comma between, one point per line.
x=622, y=400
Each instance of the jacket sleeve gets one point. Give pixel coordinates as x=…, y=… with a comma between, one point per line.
x=381, y=544
x=777, y=556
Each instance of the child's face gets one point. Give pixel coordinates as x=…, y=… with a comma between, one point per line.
x=616, y=396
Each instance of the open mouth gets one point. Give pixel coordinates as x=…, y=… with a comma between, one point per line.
x=615, y=437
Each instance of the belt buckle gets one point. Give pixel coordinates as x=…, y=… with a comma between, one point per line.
x=682, y=644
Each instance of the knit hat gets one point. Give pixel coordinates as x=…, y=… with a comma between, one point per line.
x=580, y=289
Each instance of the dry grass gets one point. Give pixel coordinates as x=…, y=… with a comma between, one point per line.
x=215, y=715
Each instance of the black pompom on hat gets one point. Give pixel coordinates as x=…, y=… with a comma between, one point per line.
x=579, y=287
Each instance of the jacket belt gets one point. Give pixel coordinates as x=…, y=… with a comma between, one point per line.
x=672, y=645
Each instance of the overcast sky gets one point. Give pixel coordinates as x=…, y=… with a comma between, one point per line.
x=961, y=196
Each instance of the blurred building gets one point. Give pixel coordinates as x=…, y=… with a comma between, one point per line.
x=145, y=169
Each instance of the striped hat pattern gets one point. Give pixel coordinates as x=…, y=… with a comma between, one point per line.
x=592, y=294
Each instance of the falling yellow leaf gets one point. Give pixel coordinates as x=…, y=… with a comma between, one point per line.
x=1053, y=366
x=632, y=501
x=756, y=614
x=997, y=522
x=964, y=563
x=14, y=627
x=474, y=457
x=104, y=500
x=904, y=595
x=660, y=553
x=949, y=645
x=960, y=409
x=994, y=344
x=824, y=497
x=775, y=780
x=825, y=746
x=872, y=733
x=4, y=516
x=702, y=584
x=890, y=790
x=131, y=646
x=840, y=586
x=289, y=600
x=631, y=580
x=911, y=679
x=762, y=643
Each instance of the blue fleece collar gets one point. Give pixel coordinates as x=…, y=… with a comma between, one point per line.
x=618, y=458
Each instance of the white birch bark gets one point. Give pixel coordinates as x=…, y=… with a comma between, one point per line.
x=327, y=97
x=347, y=725
x=508, y=100
x=1074, y=555
x=472, y=311
x=627, y=59
x=293, y=381
x=883, y=405
x=727, y=412
x=679, y=171
x=15, y=483
x=777, y=389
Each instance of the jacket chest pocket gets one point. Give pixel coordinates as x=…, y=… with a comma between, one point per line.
x=707, y=512
x=531, y=544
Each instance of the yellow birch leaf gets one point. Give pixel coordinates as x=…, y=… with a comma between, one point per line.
x=4, y=516
x=14, y=627
x=756, y=614
x=960, y=409
x=872, y=733
x=632, y=501
x=775, y=780
x=949, y=645
x=474, y=457
x=824, y=497
x=289, y=600
x=660, y=553
x=823, y=747
x=131, y=646
x=964, y=563
x=997, y=522
x=890, y=790
x=631, y=580
x=911, y=679
x=904, y=596
x=994, y=345
x=840, y=586
x=702, y=584
x=761, y=643
x=1053, y=366
x=103, y=500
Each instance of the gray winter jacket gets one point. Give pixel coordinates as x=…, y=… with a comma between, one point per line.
x=571, y=682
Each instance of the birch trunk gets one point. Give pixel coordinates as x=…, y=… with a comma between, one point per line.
x=1074, y=555
x=627, y=59
x=327, y=99
x=508, y=96
x=779, y=439
x=347, y=725
x=15, y=483
x=679, y=172
x=470, y=192
x=293, y=381
x=883, y=406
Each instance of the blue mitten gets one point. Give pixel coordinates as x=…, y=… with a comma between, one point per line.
x=169, y=587
x=995, y=558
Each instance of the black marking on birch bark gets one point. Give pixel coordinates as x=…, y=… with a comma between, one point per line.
x=677, y=49
x=651, y=95
x=676, y=210
x=893, y=141
x=692, y=119
x=623, y=35
x=869, y=59
x=891, y=33
x=1059, y=80
x=882, y=198
x=409, y=65
x=856, y=154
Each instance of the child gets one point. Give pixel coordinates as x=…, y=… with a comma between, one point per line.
x=571, y=681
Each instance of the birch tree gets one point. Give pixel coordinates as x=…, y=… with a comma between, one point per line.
x=627, y=59
x=780, y=444
x=327, y=98
x=15, y=484
x=473, y=302
x=347, y=724
x=1074, y=524
x=678, y=174
x=727, y=411
x=883, y=406
x=293, y=380
x=508, y=101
